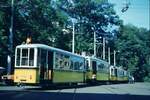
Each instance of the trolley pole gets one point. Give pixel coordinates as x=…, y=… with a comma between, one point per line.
x=10, y=46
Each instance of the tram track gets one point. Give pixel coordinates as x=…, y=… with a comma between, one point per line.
x=74, y=93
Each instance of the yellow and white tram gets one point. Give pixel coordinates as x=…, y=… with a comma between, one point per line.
x=97, y=70
x=117, y=74
x=39, y=64
x=42, y=64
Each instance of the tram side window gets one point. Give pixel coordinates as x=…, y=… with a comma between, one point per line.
x=62, y=61
x=18, y=57
x=71, y=66
x=31, y=57
x=104, y=68
x=87, y=65
x=76, y=66
x=24, y=57
x=125, y=73
x=81, y=66
x=112, y=71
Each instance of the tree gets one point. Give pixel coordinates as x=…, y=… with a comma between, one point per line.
x=98, y=16
x=36, y=18
x=4, y=9
x=132, y=44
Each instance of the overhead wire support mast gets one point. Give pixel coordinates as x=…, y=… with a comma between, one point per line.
x=103, y=48
x=10, y=46
x=94, y=44
x=73, y=36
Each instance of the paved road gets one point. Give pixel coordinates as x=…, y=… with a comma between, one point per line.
x=137, y=91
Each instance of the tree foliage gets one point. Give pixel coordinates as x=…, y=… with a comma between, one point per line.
x=91, y=16
x=134, y=52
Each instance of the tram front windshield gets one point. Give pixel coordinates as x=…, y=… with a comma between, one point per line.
x=24, y=57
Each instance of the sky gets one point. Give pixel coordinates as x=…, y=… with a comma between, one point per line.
x=138, y=13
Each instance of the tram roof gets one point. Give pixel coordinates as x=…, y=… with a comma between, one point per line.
x=96, y=59
x=46, y=47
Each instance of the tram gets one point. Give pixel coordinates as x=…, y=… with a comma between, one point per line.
x=41, y=64
x=118, y=75
x=97, y=70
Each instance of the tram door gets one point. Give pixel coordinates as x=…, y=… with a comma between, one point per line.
x=49, y=65
x=116, y=74
x=94, y=69
x=46, y=65
x=43, y=56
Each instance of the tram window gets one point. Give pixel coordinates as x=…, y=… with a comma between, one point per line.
x=24, y=52
x=18, y=57
x=57, y=61
x=81, y=66
x=112, y=73
x=50, y=59
x=24, y=57
x=76, y=66
x=87, y=65
x=66, y=61
x=71, y=66
x=61, y=66
x=31, y=57
x=101, y=67
x=62, y=61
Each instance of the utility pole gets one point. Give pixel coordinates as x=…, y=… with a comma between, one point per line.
x=109, y=55
x=10, y=48
x=73, y=36
x=94, y=44
x=114, y=58
x=103, y=48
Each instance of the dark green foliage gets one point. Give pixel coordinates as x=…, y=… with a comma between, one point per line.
x=91, y=16
x=134, y=51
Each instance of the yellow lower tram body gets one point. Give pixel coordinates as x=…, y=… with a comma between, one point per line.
x=30, y=76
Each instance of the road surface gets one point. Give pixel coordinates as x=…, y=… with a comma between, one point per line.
x=137, y=91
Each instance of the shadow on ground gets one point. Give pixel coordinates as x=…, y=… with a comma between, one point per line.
x=28, y=95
